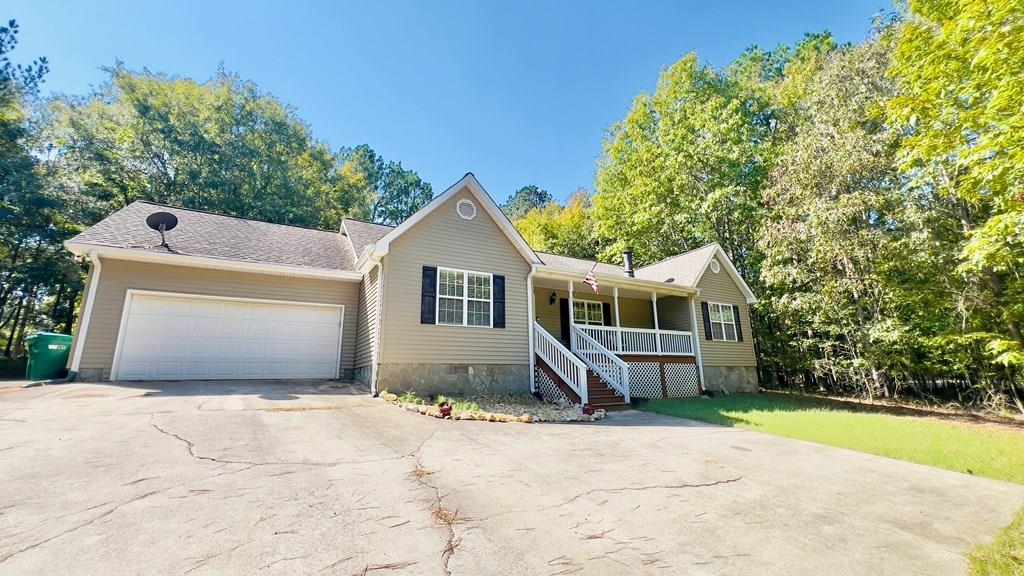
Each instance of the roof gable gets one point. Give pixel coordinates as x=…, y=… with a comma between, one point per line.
x=688, y=268
x=472, y=185
x=362, y=234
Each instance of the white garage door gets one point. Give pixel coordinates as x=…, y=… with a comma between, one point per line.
x=179, y=337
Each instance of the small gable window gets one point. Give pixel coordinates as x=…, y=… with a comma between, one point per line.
x=723, y=322
x=464, y=298
x=715, y=266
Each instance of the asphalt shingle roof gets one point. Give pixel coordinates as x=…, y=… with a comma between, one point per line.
x=579, y=264
x=362, y=234
x=684, y=269
x=217, y=236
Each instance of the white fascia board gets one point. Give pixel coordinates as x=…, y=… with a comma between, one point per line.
x=620, y=281
x=469, y=182
x=116, y=253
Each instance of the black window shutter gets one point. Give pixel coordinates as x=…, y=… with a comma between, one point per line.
x=739, y=323
x=606, y=308
x=498, y=292
x=707, y=321
x=564, y=318
x=428, y=296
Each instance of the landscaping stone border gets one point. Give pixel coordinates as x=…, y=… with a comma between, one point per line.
x=553, y=414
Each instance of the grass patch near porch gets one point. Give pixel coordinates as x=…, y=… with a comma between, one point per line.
x=989, y=450
x=1005, y=555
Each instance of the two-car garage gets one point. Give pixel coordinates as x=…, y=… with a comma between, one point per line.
x=187, y=337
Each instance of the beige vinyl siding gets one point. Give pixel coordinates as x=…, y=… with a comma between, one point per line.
x=634, y=312
x=720, y=287
x=443, y=239
x=117, y=276
x=674, y=313
x=366, y=328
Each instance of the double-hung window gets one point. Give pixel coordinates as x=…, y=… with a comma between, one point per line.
x=587, y=312
x=464, y=298
x=723, y=322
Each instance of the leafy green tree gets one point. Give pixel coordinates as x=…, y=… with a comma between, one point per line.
x=568, y=230
x=524, y=200
x=960, y=68
x=35, y=267
x=840, y=256
x=394, y=193
x=685, y=167
x=221, y=145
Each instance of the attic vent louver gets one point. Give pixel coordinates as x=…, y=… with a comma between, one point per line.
x=465, y=209
x=715, y=267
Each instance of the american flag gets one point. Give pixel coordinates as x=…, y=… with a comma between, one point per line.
x=591, y=280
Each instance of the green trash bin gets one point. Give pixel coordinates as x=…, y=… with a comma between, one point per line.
x=47, y=355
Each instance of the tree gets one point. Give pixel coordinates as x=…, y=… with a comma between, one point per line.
x=568, y=230
x=35, y=267
x=393, y=192
x=685, y=167
x=524, y=200
x=842, y=265
x=960, y=68
x=221, y=145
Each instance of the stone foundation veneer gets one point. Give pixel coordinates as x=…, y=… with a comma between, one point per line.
x=730, y=378
x=428, y=379
x=92, y=375
x=362, y=374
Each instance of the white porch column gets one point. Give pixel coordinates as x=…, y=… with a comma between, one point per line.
x=657, y=330
x=618, y=326
x=571, y=318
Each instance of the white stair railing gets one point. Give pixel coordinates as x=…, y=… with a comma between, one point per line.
x=569, y=367
x=601, y=360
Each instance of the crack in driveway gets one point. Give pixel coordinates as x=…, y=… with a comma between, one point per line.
x=81, y=525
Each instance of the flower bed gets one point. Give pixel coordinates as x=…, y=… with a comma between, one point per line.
x=524, y=409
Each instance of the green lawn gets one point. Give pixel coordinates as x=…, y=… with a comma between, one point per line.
x=990, y=451
x=1005, y=556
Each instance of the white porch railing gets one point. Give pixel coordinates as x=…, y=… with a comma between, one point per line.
x=601, y=360
x=640, y=340
x=569, y=367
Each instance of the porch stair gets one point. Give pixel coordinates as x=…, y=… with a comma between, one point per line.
x=602, y=395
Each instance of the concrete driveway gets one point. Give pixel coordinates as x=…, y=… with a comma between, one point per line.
x=314, y=478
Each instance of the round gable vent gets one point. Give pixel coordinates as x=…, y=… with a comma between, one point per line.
x=715, y=267
x=465, y=209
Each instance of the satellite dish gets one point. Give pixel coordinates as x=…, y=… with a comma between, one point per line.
x=162, y=222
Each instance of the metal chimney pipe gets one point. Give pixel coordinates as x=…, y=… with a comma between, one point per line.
x=627, y=262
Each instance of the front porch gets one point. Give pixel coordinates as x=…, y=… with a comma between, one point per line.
x=626, y=321
x=637, y=337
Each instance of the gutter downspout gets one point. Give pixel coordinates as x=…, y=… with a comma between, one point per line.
x=695, y=334
x=379, y=340
x=530, y=305
x=83, y=326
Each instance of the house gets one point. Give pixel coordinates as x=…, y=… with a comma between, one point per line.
x=453, y=299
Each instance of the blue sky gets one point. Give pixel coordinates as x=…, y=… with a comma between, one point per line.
x=518, y=93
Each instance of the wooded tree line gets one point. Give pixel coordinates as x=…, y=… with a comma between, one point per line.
x=871, y=194
x=221, y=145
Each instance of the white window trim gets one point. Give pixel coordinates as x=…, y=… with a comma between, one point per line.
x=723, y=323
x=587, y=322
x=465, y=298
